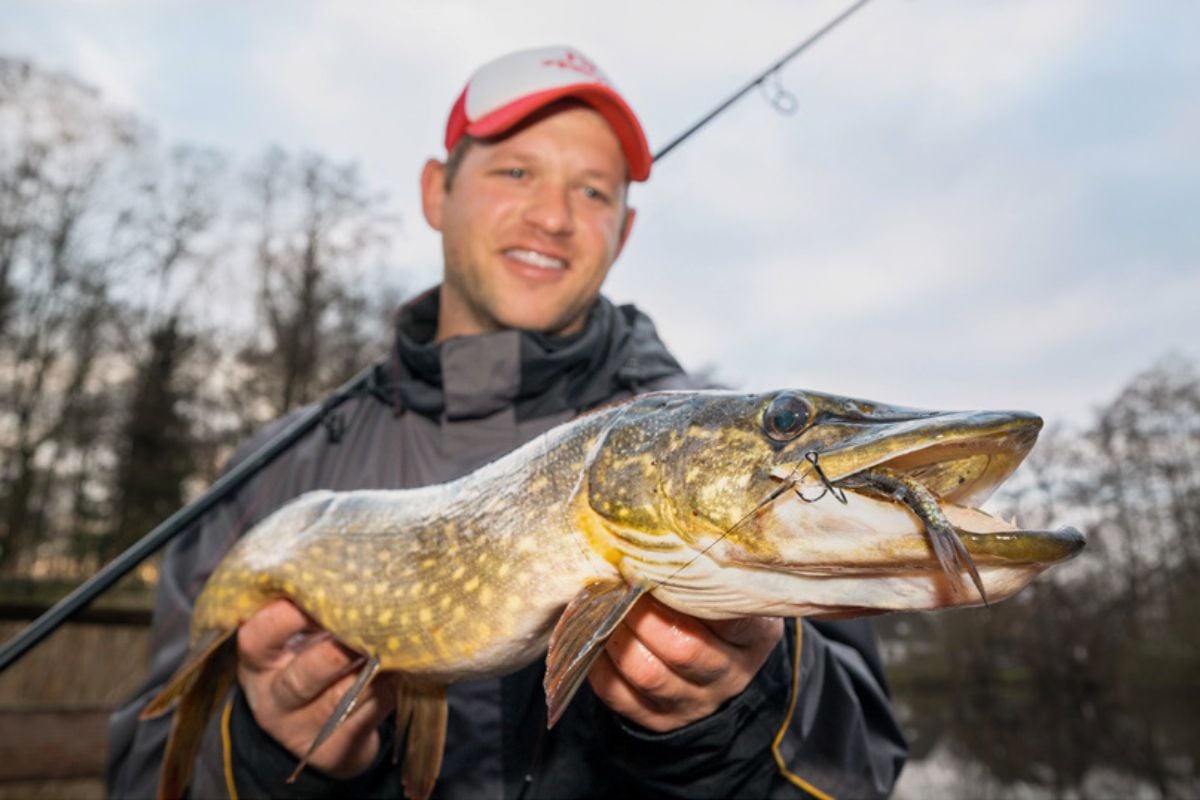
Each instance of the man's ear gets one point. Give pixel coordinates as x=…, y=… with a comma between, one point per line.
x=433, y=192
x=626, y=227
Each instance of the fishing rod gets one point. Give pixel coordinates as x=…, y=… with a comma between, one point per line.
x=761, y=77
x=236, y=477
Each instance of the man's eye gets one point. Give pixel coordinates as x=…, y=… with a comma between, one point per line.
x=515, y=172
x=592, y=193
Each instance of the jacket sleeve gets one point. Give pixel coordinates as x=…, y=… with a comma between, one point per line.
x=843, y=739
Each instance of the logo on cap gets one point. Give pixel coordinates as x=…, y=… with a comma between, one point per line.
x=574, y=61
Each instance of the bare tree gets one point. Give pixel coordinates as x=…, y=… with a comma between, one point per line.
x=155, y=446
x=110, y=405
x=61, y=148
x=1150, y=484
x=316, y=228
x=157, y=442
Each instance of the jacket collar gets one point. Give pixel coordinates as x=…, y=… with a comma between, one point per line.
x=474, y=376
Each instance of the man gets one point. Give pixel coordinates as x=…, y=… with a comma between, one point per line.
x=531, y=204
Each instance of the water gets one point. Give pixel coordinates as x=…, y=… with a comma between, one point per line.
x=1049, y=741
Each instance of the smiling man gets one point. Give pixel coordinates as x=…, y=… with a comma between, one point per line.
x=529, y=227
x=533, y=209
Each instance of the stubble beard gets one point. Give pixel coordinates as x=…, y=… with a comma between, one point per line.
x=484, y=314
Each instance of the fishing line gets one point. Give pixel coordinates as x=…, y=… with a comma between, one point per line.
x=780, y=98
x=787, y=484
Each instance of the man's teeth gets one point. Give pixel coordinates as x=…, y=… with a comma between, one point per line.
x=536, y=259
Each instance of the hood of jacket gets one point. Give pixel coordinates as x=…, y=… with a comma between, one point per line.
x=467, y=377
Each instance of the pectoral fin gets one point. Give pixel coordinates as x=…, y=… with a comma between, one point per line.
x=579, y=637
x=421, y=713
x=340, y=712
x=199, y=686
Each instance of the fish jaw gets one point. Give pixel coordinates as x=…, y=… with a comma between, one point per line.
x=961, y=457
x=867, y=555
x=717, y=457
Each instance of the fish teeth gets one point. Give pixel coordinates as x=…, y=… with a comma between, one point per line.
x=536, y=259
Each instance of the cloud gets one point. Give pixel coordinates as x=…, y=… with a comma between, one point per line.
x=974, y=204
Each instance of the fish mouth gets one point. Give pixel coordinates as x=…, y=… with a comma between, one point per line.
x=960, y=458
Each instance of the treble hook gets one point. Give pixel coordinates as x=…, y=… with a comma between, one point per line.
x=779, y=97
x=813, y=457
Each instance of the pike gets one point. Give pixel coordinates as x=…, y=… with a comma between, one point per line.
x=719, y=504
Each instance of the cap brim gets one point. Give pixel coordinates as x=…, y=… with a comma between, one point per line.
x=616, y=113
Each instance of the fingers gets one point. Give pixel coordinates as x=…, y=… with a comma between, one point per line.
x=285, y=660
x=352, y=747
x=293, y=674
x=374, y=704
x=637, y=684
x=664, y=669
x=619, y=694
x=311, y=673
x=654, y=645
x=281, y=651
x=268, y=638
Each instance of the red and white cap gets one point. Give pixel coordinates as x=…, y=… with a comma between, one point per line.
x=503, y=92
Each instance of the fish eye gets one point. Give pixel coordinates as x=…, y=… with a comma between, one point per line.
x=786, y=417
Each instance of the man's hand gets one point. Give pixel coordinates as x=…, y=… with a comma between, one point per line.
x=663, y=669
x=293, y=675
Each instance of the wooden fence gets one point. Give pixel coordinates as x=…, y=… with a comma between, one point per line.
x=55, y=702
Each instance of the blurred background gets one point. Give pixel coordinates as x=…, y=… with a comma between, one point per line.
x=208, y=214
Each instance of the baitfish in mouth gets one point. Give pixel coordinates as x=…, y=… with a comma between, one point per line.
x=906, y=531
x=951, y=554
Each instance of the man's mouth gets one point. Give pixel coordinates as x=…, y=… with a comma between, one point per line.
x=535, y=259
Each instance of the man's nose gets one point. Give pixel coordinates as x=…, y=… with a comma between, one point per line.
x=549, y=209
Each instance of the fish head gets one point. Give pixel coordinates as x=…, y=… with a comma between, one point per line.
x=748, y=503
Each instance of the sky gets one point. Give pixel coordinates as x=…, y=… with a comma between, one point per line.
x=972, y=205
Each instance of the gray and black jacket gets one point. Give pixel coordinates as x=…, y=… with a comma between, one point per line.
x=434, y=413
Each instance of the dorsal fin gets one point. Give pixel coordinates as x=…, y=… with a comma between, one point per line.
x=620, y=401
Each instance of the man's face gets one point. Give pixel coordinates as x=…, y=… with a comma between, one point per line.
x=530, y=224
